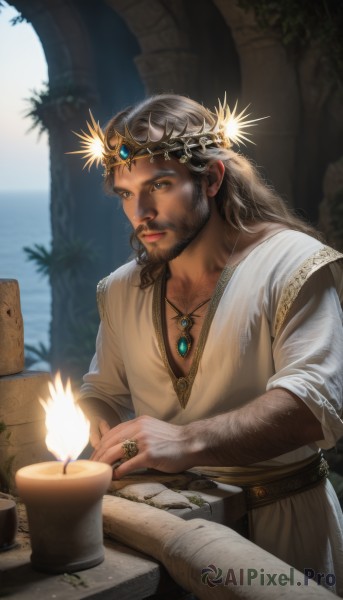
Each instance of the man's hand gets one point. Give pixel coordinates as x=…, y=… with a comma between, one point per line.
x=99, y=427
x=161, y=446
x=271, y=425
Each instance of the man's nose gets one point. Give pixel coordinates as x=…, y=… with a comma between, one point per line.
x=145, y=209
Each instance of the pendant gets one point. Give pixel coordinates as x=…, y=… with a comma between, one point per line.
x=184, y=323
x=184, y=343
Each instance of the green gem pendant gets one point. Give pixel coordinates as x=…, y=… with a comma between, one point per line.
x=184, y=323
x=183, y=345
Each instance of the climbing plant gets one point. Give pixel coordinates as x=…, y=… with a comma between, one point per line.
x=69, y=257
x=62, y=103
x=300, y=23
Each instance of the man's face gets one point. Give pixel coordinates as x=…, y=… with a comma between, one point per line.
x=163, y=204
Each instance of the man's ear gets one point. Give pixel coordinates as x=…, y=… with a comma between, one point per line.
x=214, y=178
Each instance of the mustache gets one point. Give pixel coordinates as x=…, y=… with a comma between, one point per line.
x=152, y=227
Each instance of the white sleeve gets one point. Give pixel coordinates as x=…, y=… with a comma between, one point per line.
x=308, y=354
x=106, y=378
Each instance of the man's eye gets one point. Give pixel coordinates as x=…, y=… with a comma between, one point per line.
x=159, y=185
x=124, y=195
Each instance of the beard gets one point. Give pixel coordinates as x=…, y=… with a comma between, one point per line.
x=186, y=230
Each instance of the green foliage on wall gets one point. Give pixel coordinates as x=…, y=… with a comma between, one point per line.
x=50, y=105
x=34, y=354
x=69, y=257
x=300, y=23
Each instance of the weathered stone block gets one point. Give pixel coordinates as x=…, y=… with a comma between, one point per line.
x=11, y=328
x=22, y=423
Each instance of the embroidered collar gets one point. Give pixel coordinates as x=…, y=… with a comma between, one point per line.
x=183, y=385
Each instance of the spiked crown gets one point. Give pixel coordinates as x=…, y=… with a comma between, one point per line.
x=228, y=128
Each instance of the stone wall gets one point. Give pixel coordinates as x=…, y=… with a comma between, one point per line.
x=22, y=431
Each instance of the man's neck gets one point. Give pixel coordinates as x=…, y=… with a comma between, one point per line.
x=207, y=255
x=217, y=246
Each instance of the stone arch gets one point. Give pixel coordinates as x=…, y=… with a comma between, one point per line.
x=304, y=133
x=165, y=45
x=83, y=221
x=66, y=46
x=167, y=61
x=177, y=44
x=272, y=92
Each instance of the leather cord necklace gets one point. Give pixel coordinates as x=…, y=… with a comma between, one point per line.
x=184, y=323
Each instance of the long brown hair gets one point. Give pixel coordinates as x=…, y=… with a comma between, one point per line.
x=244, y=197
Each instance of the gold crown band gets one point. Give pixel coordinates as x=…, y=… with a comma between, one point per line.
x=228, y=128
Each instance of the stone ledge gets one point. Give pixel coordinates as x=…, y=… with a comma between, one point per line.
x=22, y=418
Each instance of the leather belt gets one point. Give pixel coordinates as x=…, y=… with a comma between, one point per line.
x=299, y=481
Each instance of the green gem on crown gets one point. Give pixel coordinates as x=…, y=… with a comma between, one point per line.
x=124, y=152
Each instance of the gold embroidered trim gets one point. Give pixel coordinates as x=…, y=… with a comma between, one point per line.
x=100, y=296
x=293, y=286
x=183, y=385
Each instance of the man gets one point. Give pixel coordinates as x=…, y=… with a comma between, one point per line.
x=224, y=337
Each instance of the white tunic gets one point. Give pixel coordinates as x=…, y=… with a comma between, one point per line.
x=278, y=323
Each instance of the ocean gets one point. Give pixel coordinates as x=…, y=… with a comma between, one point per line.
x=25, y=221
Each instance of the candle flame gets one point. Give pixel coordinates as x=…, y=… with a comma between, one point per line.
x=67, y=426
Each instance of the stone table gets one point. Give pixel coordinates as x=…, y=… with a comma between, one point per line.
x=125, y=574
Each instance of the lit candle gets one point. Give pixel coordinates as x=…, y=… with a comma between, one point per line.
x=64, y=499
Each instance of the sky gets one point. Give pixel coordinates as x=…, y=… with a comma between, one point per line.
x=24, y=158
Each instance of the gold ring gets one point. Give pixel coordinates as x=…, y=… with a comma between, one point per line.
x=130, y=449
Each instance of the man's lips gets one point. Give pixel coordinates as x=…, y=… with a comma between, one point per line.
x=152, y=236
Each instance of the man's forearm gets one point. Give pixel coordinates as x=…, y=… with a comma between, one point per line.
x=269, y=426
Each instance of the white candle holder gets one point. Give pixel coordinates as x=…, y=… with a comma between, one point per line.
x=64, y=513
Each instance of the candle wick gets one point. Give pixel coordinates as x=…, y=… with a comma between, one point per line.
x=65, y=465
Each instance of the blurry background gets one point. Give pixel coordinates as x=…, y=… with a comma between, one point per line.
x=24, y=174
x=61, y=57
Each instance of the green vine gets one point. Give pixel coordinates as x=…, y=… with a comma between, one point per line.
x=34, y=354
x=300, y=23
x=81, y=349
x=78, y=352
x=6, y=471
x=63, y=104
x=19, y=18
x=7, y=474
x=333, y=225
x=69, y=257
